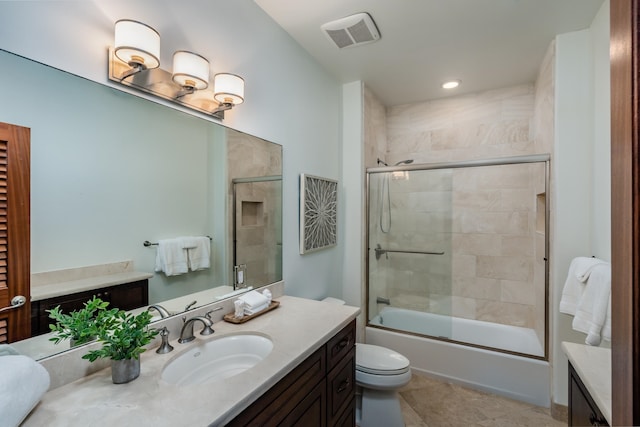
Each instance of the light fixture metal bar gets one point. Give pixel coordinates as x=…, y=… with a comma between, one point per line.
x=158, y=82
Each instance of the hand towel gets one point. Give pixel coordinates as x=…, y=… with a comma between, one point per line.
x=171, y=257
x=591, y=314
x=573, y=289
x=24, y=381
x=579, y=271
x=250, y=311
x=198, y=251
x=253, y=300
x=584, y=266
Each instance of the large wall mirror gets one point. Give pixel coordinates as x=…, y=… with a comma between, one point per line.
x=110, y=170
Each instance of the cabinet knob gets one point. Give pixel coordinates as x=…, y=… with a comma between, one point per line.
x=343, y=385
x=597, y=421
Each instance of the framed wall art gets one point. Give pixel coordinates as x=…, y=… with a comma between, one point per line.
x=318, y=213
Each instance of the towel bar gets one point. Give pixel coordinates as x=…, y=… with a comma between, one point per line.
x=148, y=243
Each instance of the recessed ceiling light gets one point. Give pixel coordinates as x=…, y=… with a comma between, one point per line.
x=452, y=84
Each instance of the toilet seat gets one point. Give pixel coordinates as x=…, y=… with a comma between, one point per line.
x=376, y=360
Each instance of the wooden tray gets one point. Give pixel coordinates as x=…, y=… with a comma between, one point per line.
x=231, y=318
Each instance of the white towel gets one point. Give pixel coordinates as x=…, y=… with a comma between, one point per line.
x=250, y=311
x=198, y=251
x=584, y=266
x=171, y=257
x=594, y=306
x=579, y=268
x=24, y=381
x=253, y=300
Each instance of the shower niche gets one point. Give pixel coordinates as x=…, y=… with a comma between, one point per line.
x=457, y=252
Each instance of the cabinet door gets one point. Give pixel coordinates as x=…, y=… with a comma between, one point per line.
x=15, y=268
x=311, y=411
x=130, y=295
x=582, y=409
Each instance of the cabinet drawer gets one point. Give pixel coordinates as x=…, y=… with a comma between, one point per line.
x=341, y=386
x=341, y=344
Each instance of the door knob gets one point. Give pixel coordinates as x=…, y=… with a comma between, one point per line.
x=17, y=301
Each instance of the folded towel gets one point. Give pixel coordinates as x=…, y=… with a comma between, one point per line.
x=250, y=311
x=252, y=300
x=198, y=251
x=24, y=381
x=7, y=350
x=594, y=306
x=171, y=257
x=584, y=266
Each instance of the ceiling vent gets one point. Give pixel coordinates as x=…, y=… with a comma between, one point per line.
x=353, y=30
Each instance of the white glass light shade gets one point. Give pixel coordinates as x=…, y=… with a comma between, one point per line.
x=228, y=88
x=190, y=70
x=137, y=44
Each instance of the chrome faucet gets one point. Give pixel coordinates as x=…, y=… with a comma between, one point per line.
x=186, y=334
x=160, y=309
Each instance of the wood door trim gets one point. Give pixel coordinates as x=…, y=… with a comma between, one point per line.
x=625, y=212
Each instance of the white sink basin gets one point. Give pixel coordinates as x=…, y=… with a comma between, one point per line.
x=217, y=359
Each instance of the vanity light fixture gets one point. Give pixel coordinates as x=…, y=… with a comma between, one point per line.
x=191, y=71
x=134, y=61
x=138, y=45
x=451, y=84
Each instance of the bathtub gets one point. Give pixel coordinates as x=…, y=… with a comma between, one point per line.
x=517, y=377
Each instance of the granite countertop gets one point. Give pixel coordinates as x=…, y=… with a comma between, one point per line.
x=297, y=328
x=593, y=365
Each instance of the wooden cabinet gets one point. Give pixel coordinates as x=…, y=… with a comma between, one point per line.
x=126, y=296
x=582, y=409
x=318, y=392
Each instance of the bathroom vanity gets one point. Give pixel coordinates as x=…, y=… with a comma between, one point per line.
x=308, y=378
x=589, y=385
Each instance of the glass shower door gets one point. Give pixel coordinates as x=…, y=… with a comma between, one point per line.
x=409, y=257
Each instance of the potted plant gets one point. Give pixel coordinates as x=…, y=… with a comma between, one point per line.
x=78, y=326
x=123, y=337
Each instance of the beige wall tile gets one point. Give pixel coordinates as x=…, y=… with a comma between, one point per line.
x=506, y=268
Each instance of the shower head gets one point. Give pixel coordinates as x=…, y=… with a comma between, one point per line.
x=404, y=162
x=382, y=162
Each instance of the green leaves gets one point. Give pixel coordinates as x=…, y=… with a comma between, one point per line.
x=122, y=334
x=79, y=325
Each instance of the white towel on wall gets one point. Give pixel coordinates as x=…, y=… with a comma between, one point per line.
x=594, y=308
x=24, y=381
x=579, y=270
x=585, y=265
x=171, y=257
x=198, y=251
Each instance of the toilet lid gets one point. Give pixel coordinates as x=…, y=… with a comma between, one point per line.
x=378, y=360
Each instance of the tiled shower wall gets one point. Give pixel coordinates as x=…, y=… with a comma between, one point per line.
x=258, y=207
x=496, y=263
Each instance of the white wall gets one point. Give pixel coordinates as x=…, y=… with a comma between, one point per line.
x=353, y=226
x=581, y=224
x=290, y=100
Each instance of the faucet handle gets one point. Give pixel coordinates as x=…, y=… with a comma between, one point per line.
x=165, y=347
x=208, y=313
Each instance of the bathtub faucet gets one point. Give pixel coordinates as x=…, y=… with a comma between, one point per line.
x=381, y=300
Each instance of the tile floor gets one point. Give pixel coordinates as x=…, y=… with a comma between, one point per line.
x=427, y=402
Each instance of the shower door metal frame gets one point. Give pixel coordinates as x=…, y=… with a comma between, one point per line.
x=234, y=220
x=500, y=161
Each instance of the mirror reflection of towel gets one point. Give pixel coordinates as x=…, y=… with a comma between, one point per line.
x=198, y=252
x=171, y=257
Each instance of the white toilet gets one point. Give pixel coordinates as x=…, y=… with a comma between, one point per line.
x=380, y=372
